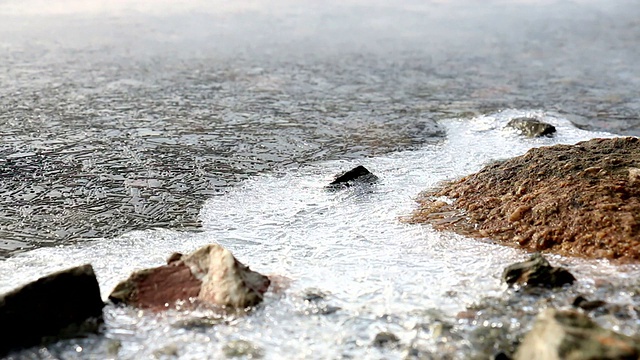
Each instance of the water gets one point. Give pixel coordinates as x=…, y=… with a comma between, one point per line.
x=127, y=126
x=126, y=116
x=378, y=274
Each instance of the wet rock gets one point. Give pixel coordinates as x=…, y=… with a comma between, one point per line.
x=315, y=303
x=531, y=127
x=536, y=272
x=199, y=322
x=64, y=304
x=575, y=200
x=313, y=294
x=586, y=305
x=357, y=175
x=501, y=356
x=242, y=348
x=210, y=275
x=319, y=308
x=572, y=335
x=113, y=347
x=170, y=350
x=386, y=339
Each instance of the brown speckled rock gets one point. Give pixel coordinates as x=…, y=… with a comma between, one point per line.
x=209, y=275
x=577, y=200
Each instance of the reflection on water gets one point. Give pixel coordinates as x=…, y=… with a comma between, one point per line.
x=376, y=274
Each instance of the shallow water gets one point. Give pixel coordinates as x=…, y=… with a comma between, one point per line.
x=377, y=273
x=127, y=115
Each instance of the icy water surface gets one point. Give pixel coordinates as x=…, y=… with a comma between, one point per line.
x=127, y=115
x=376, y=274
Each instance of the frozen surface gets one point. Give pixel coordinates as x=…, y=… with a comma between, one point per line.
x=377, y=273
x=126, y=115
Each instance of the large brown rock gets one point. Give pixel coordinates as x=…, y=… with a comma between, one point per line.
x=572, y=335
x=577, y=200
x=61, y=305
x=210, y=275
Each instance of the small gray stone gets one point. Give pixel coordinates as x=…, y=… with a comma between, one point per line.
x=313, y=295
x=386, y=339
x=242, y=348
x=531, y=127
x=536, y=272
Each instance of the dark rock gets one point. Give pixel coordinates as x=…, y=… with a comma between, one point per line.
x=314, y=302
x=386, y=339
x=573, y=335
x=209, y=275
x=64, y=304
x=357, y=175
x=536, y=272
x=501, y=356
x=313, y=295
x=586, y=305
x=319, y=308
x=531, y=127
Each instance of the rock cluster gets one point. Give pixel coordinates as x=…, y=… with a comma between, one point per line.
x=211, y=275
x=577, y=200
x=565, y=334
x=68, y=303
x=543, y=319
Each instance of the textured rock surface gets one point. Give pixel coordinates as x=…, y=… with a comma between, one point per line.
x=531, y=127
x=359, y=174
x=210, y=275
x=577, y=200
x=536, y=272
x=61, y=305
x=573, y=335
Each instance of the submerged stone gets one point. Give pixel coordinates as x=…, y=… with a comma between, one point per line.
x=531, y=127
x=501, y=356
x=576, y=200
x=242, y=348
x=536, y=272
x=386, y=339
x=357, y=175
x=211, y=275
x=587, y=305
x=64, y=304
x=572, y=335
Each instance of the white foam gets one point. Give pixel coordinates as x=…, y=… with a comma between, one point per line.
x=347, y=243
